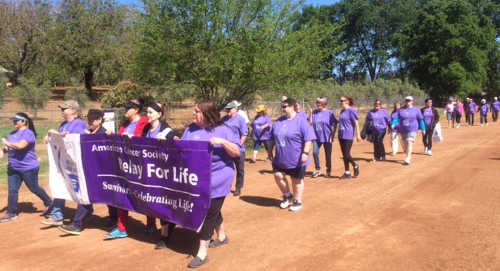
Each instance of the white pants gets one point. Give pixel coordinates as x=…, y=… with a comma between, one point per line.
x=395, y=142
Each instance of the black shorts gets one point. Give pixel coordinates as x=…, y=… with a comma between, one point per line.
x=296, y=173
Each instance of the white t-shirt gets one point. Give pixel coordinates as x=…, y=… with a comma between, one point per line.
x=244, y=115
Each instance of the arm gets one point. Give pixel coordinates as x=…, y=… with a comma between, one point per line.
x=334, y=130
x=358, y=135
x=270, y=151
x=231, y=149
x=307, y=149
x=16, y=146
x=243, y=140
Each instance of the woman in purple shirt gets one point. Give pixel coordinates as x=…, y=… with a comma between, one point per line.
x=261, y=131
x=72, y=124
x=207, y=126
x=431, y=118
x=495, y=107
x=472, y=109
x=380, y=120
x=395, y=129
x=23, y=164
x=409, y=118
x=348, y=127
x=484, y=108
x=292, y=135
x=325, y=125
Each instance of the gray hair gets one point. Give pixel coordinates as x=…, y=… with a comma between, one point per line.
x=322, y=100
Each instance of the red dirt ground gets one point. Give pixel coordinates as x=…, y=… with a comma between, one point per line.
x=440, y=213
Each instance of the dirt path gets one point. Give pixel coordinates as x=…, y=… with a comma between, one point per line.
x=440, y=213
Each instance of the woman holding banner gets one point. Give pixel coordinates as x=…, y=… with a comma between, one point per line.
x=133, y=126
x=72, y=124
x=23, y=164
x=293, y=136
x=158, y=128
x=207, y=126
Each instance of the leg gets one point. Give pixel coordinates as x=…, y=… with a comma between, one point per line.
x=15, y=181
x=409, y=150
x=428, y=135
x=316, y=147
x=348, y=152
x=382, y=147
x=57, y=210
x=30, y=177
x=256, y=148
x=82, y=212
x=267, y=146
x=240, y=171
x=395, y=143
x=113, y=214
x=328, y=156
x=122, y=220
x=298, y=189
x=213, y=220
x=344, y=154
x=282, y=183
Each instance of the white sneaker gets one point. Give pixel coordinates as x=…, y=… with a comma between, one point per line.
x=426, y=150
x=287, y=201
x=407, y=161
x=429, y=152
x=295, y=206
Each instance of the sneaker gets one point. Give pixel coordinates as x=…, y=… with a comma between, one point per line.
x=429, y=152
x=426, y=150
x=150, y=229
x=295, y=206
x=407, y=162
x=115, y=234
x=287, y=201
x=8, y=217
x=163, y=243
x=328, y=174
x=217, y=243
x=46, y=211
x=71, y=229
x=356, y=171
x=197, y=262
x=316, y=173
x=345, y=176
x=51, y=222
x=237, y=192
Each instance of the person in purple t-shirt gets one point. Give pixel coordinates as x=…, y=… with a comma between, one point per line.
x=348, y=128
x=471, y=111
x=261, y=131
x=495, y=108
x=292, y=135
x=395, y=129
x=431, y=119
x=484, y=108
x=72, y=124
x=23, y=165
x=378, y=120
x=409, y=118
x=238, y=125
x=325, y=125
x=207, y=126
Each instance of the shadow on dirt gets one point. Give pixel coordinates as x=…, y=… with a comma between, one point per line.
x=261, y=201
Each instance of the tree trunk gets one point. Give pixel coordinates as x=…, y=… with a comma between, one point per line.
x=88, y=78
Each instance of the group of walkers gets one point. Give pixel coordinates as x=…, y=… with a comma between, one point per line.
x=455, y=109
x=289, y=141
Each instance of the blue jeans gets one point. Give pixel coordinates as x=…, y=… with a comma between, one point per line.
x=240, y=170
x=328, y=154
x=30, y=177
x=82, y=212
x=57, y=209
x=258, y=143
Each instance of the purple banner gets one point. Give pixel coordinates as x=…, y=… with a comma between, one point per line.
x=167, y=180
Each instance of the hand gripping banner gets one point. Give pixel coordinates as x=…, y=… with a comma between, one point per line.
x=167, y=180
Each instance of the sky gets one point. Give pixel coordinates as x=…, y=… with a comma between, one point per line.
x=308, y=2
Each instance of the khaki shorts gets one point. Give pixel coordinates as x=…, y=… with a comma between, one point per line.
x=411, y=136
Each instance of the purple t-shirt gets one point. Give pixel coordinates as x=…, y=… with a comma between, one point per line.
x=303, y=115
x=380, y=119
x=153, y=134
x=408, y=119
x=347, y=123
x=428, y=116
x=290, y=136
x=484, y=108
x=472, y=108
x=222, y=167
x=262, y=134
x=76, y=126
x=25, y=159
x=322, y=123
x=394, y=115
x=130, y=129
x=495, y=106
x=238, y=126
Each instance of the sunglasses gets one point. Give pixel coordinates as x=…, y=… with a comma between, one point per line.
x=284, y=106
x=343, y=101
x=62, y=109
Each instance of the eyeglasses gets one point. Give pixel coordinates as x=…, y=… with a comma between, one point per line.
x=343, y=101
x=284, y=106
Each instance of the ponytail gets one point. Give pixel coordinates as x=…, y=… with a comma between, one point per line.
x=30, y=124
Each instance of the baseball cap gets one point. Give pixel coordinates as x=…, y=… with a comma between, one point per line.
x=233, y=104
x=283, y=98
x=72, y=104
x=409, y=98
x=260, y=108
x=17, y=117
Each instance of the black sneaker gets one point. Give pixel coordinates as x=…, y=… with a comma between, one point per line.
x=356, y=171
x=163, y=243
x=197, y=262
x=328, y=174
x=217, y=243
x=345, y=176
x=8, y=217
x=71, y=229
x=237, y=192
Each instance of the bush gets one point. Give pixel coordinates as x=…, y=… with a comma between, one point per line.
x=32, y=94
x=78, y=95
x=124, y=91
x=3, y=88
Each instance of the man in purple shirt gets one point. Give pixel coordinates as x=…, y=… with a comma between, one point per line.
x=239, y=127
x=495, y=108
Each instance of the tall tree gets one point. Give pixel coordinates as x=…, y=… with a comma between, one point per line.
x=446, y=47
x=228, y=49
x=89, y=36
x=23, y=34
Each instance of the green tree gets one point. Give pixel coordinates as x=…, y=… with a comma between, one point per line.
x=90, y=39
x=446, y=47
x=3, y=88
x=23, y=35
x=228, y=49
x=32, y=94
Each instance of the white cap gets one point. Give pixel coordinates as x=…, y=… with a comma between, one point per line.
x=409, y=98
x=283, y=98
